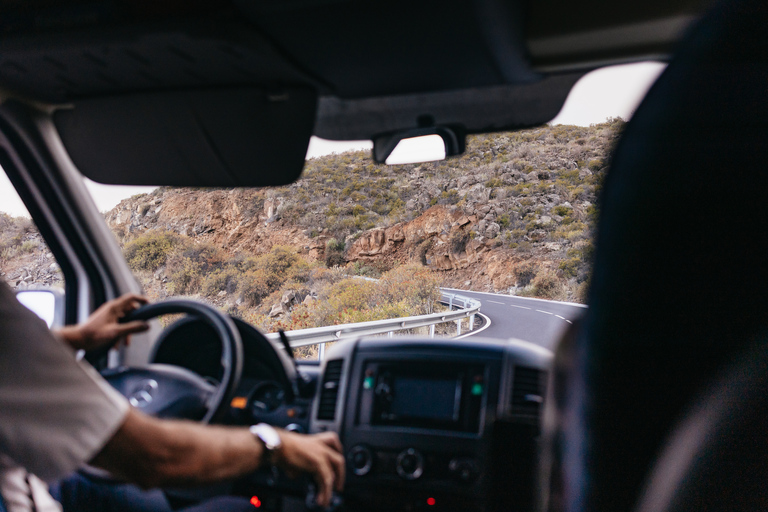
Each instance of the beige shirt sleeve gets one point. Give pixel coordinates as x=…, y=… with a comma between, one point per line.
x=55, y=413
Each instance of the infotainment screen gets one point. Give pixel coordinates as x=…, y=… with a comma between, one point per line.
x=430, y=395
x=433, y=399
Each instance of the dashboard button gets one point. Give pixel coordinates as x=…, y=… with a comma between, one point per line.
x=410, y=464
x=464, y=469
x=360, y=460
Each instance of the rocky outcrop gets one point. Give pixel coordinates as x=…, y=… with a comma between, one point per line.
x=443, y=238
x=238, y=220
x=435, y=222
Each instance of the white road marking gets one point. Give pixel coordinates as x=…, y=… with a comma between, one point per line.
x=495, y=302
x=563, y=318
x=545, y=312
x=521, y=307
x=471, y=333
x=518, y=297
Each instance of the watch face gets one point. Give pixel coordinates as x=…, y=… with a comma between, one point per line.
x=267, y=434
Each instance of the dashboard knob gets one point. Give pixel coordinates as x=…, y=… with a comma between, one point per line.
x=360, y=460
x=295, y=427
x=410, y=464
x=464, y=469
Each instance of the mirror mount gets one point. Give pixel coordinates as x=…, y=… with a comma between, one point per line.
x=453, y=137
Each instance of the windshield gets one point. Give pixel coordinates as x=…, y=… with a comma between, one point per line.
x=353, y=241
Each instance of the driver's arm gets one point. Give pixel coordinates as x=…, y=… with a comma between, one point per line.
x=162, y=453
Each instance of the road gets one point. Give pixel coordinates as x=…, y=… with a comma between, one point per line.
x=535, y=320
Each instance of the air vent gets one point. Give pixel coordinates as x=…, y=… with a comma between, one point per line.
x=329, y=391
x=528, y=391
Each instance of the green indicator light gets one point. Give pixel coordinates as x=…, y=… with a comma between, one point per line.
x=368, y=383
x=477, y=389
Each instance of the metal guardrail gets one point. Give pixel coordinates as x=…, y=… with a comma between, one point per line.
x=468, y=307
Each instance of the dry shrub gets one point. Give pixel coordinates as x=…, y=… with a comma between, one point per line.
x=546, y=285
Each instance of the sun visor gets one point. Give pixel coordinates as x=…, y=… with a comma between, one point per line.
x=240, y=136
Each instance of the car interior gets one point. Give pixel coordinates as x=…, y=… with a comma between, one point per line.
x=653, y=401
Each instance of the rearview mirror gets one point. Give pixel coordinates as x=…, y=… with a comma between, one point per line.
x=418, y=145
x=427, y=148
x=47, y=304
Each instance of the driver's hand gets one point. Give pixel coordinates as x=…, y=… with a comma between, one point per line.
x=103, y=327
x=320, y=455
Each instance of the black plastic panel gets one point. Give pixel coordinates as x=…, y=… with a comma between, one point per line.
x=207, y=137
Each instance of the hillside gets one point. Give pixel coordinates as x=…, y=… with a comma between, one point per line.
x=514, y=214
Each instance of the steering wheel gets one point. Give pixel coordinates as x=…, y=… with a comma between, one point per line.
x=167, y=391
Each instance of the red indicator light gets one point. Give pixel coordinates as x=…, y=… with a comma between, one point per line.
x=430, y=501
x=255, y=501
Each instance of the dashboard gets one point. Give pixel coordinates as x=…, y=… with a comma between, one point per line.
x=426, y=424
x=419, y=418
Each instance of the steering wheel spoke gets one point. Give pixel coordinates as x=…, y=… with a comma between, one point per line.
x=164, y=391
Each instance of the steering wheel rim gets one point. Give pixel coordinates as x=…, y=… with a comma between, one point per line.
x=226, y=331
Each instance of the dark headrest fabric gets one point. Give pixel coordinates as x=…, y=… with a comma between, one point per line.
x=680, y=280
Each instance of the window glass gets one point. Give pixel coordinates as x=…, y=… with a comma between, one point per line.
x=25, y=260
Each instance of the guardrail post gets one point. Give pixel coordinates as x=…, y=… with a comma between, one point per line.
x=450, y=303
x=458, y=327
x=390, y=334
x=432, y=331
x=321, y=352
x=471, y=322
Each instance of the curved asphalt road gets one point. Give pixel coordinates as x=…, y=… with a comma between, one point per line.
x=535, y=320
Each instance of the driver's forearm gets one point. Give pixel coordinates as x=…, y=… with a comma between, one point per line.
x=71, y=335
x=161, y=453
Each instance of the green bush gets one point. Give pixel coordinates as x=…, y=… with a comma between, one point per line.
x=150, y=250
x=334, y=245
x=415, y=284
x=226, y=280
x=359, y=268
x=595, y=165
x=546, y=285
x=334, y=259
x=254, y=285
x=570, y=267
x=524, y=273
x=28, y=246
x=449, y=197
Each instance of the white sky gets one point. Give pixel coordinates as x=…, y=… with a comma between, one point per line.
x=608, y=92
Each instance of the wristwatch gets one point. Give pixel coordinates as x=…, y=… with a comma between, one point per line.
x=270, y=438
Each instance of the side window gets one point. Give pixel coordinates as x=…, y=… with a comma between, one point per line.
x=25, y=260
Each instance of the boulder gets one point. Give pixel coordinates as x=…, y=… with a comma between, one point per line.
x=276, y=311
x=500, y=193
x=492, y=231
x=288, y=299
x=478, y=194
